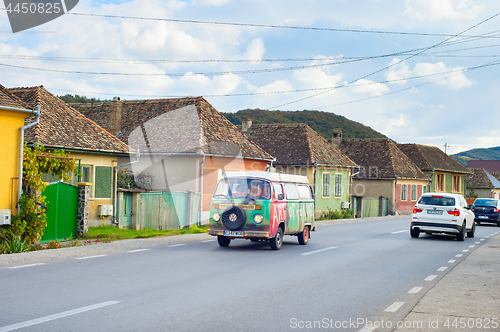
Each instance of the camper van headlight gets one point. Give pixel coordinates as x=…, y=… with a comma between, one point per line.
x=258, y=218
x=216, y=217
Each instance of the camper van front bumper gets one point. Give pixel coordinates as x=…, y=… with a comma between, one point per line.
x=246, y=234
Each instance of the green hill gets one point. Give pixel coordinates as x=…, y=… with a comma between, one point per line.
x=322, y=122
x=477, y=154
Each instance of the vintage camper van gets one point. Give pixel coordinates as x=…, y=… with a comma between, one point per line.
x=262, y=206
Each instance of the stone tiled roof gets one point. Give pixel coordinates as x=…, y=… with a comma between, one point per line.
x=9, y=100
x=429, y=158
x=297, y=144
x=63, y=127
x=380, y=158
x=482, y=179
x=489, y=165
x=182, y=125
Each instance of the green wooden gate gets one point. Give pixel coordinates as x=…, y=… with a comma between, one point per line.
x=62, y=203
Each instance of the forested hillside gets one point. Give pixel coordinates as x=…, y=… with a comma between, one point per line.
x=477, y=154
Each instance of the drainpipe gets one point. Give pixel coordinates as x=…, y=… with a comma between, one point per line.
x=21, y=151
x=314, y=184
x=200, y=214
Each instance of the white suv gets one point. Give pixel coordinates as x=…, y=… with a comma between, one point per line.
x=442, y=213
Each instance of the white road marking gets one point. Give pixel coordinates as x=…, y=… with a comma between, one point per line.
x=472, y=246
x=176, y=245
x=415, y=290
x=465, y=250
x=316, y=251
x=442, y=268
x=481, y=240
x=487, y=237
x=27, y=265
x=367, y=328
x=451, y=261
x=138, y=250
x=477, y=242
x=403, y=231
x=459, y=255
x=56, y=316
x=213, y=240
x=431, y=277
x=394, y=307
x=88, y=257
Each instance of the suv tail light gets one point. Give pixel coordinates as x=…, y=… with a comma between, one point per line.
x=417, y=210
x=455, y=212
x=496, y=210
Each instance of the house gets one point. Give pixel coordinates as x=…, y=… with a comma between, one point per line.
x=300, y=150
x=97, y=151
x=13, y=113
x=185, y=144
x=446, y=174
x=388, y=182
x=482, y=184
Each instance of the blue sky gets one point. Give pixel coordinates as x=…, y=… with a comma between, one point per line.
x=390, y=65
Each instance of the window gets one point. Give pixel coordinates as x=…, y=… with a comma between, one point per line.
x=413, y=192
x=424, y=189
x=338, y=185
x=304, y=192
x=404, y=190
x=278, y=190
x=439, y=182
x=456, y=183
x=86, y=173
x=103, y=181
x=326, y=184
x=291, y=191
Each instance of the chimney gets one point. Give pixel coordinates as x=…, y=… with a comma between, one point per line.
x=246, y=126
x=115, y=116
x=337, y=137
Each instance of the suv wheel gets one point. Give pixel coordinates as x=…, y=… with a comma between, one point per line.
x=414, y=232
x=277, y=241
x=461, y=235
x=472, y=231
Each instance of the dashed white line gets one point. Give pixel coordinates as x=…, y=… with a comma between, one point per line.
x=465, y=250
x=138, y=250
x=459, y=255
x=176, y=245
x=415, y=290
x=431, y=277
x=213, y=240
x=472, y=246
x=368, y=328
x=394, y=307
x=481, y=240
x=56, y=316
x=442, y=268
x=88, y=257
x=403, y=231
x=316, y=251
x=477, y=242
x=451, y=261
x=27, y=265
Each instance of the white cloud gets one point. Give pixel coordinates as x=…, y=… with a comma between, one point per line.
x=255, y=50
x=210, y=2
x=433, y=10
x=455, y=79
x=279, y=85
x=367, y=86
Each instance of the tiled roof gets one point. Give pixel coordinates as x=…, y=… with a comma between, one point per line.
x=496, y=175
x=380, y=158
x=482, y=179
x=9, y=100
x=429, y=158
x=63, y=127
x=297, y=144
x=182, y=125
x=489, y=165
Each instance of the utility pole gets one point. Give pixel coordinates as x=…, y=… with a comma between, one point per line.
x=445, y=146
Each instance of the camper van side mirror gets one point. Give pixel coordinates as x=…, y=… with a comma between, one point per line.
x=280, y=197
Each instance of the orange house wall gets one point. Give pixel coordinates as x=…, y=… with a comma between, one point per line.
x=213, y=166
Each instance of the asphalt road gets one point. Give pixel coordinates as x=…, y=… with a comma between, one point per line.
x=348, y=274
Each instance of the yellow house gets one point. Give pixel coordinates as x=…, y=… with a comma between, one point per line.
x=63, y=128
x=12, y=115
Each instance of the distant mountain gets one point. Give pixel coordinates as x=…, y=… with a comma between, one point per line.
x=322, y=122
x=477, y=154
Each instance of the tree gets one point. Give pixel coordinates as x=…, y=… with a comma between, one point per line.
x=30, y=224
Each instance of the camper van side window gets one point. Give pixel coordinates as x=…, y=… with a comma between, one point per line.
x=304, y=192
x=291, y=191
x=278, y=190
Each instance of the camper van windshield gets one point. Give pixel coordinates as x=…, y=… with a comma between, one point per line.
x=243, y=188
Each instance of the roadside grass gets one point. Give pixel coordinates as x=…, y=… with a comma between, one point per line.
x=112, y=233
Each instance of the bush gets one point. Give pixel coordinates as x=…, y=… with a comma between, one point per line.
x=12, y=243
x=337, y=214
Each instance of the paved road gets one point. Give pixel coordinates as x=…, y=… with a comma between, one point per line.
x=349, y=273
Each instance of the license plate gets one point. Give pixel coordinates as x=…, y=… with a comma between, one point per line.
x=234, y=233
x=482, y=217
x=434, y=212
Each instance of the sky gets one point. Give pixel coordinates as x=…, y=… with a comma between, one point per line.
x=418, y=71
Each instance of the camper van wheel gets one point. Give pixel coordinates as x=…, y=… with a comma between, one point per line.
x=223, y=240
x=277, y=241
x=304, y=236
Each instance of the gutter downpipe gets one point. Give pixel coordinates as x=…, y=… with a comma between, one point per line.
x=200, y=214
x=314, y=183
x=21, y=151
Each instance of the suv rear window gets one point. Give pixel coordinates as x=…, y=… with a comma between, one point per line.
x=441, y=201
